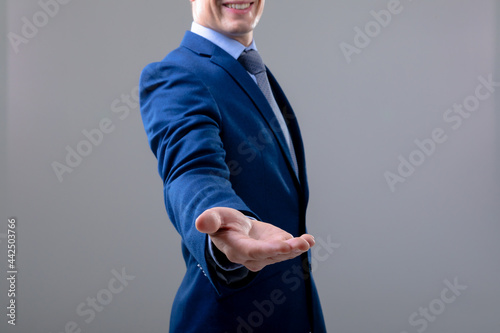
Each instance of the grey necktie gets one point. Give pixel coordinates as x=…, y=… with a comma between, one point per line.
x=253, y=63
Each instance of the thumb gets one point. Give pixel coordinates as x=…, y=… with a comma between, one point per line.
x=209, y=222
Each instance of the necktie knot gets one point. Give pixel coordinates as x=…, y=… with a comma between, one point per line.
x=252, y=62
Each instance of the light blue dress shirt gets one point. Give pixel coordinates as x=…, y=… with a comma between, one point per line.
x=231, y=46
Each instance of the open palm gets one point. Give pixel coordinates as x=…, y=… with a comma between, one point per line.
x=252, y=243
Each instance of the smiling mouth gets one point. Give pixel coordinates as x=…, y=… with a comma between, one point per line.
x=239, y=6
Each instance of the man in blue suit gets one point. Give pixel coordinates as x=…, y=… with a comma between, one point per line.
x=231, y=158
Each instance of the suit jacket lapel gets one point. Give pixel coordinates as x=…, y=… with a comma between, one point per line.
x=239, y=74
x=293, y=127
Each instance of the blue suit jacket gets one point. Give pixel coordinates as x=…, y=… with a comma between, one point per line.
x=218, y=144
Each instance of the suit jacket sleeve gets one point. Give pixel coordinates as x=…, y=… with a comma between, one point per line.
x=182, y=122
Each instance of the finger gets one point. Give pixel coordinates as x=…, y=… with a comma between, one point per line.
x=309, y=239
x=300, y=244
x=259, y=250
x=284, y=257
x=257, y=265
x=208, y=222
x=254, y=250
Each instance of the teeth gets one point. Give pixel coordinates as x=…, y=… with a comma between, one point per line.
x=238, y=6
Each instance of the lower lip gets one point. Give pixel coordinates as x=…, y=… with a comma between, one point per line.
x=239, y=11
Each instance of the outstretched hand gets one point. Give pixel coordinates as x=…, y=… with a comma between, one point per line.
x=251, y=243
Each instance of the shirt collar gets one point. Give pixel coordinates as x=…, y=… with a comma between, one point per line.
x=231, y=46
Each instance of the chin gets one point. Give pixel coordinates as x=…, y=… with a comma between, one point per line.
x=240, y=29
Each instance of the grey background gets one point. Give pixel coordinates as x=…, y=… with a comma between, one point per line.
x=396, y=248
